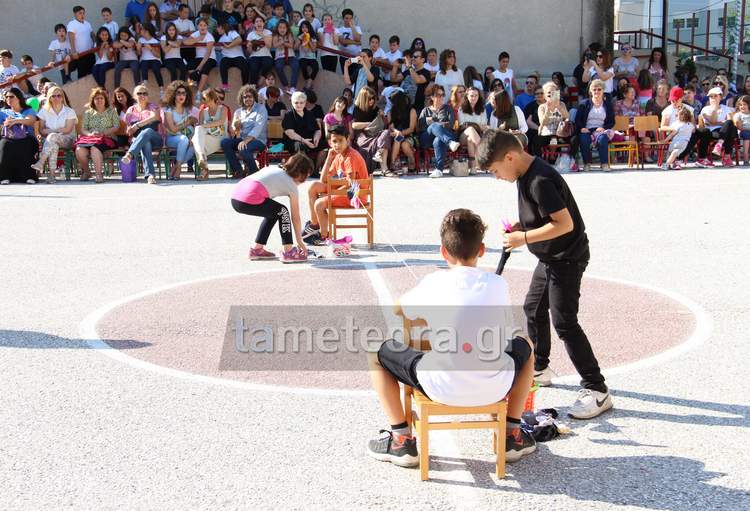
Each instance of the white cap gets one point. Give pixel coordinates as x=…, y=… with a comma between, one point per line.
x=715, y=90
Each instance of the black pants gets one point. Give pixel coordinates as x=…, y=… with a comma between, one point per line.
x=329, y=62
x=542, y=140
x=174, y=66
x=83, y=65
x=155, y=67
x=727, y=132
x=259, y=66
x=239, y=62
x=309, y=68
x=271, y=211
x=555, y=288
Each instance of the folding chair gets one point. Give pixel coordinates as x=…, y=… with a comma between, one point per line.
x=650, y=123
x=630, y=147
x=426, y=408
x=339, y=188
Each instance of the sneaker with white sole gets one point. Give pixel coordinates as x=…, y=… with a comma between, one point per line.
x=398, y=449
x=454, y=146
x=5, y=182
x=436, y=173
x=589, y=404
x=260, y=254
x=309, y=230
x=293, y=255
x=544, y=377
x=518, y=445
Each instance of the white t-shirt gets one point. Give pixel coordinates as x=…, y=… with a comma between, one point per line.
x=628, y=68
x=449, y=79
x=113, y=27
x=6, y=73
x=128, y=53
x=235, y=51
x=725, y=113
x=348, y=33
x=684, y=131
x=671, y=113
x=82, y=33
x=432, y=68
x=280, y=54
x=507, y=78
x=103, y=58
x=470, y=368
x=171, y=53
x=61, y=49
x=263, y=51
x=146, y=53
x=393, y=56
x=380, y=54
x=316, y=24
x=609, y=85
x=184, y=25
x=56, y=121
x=325, y=40
x=200, y=51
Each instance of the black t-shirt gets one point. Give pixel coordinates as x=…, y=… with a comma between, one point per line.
x=542, y=191
x=304, y=126
x=276, y=109
x=532, y=109
x=221, y=16
x=421, y=87
x=318, y=112
x=365, y=115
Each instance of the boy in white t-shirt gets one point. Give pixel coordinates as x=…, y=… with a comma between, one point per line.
x=505, y=74
x=59, y=51
x=465, y=309
x=7, y=69
x=109, y=23
x=432, y=65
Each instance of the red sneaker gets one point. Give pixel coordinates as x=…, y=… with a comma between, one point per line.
x=727, y=161
x=257, y=254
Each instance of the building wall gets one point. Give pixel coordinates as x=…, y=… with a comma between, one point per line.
x=542, y=35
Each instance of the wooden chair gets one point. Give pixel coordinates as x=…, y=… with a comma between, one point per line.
x=650, y=123
x=630, y=147
x=425, y=408
x=339, y=188
x=275, y=135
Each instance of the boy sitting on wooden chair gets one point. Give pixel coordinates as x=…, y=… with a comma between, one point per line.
x=472, y=371
x=342, y=161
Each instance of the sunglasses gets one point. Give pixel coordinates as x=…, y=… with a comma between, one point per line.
x=56, y=96
x=627, y=49
x=181, y=93
x=141, y=93
x=530, y=83
x=705, y=84
x=599, y=56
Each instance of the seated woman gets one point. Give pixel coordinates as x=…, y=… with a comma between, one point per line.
x=551, y=114
x=143, y=120
x=301, y=129
x=644, y=88
x=57, y=124
x=403, y=127
x=449, y=74
x=472, y=122
x=18, y=146
x=372, y=138
x=99, y=121
x=456, y=99
x=531, y=113
x=657, y=104
x=338, y=116
x=594, y=117
x=179, y=125
x=715, y=123
x=435, y=125
x=628, y=106
x=210, y=130
x=508, y=117
x=250, y=133
x=274, y=106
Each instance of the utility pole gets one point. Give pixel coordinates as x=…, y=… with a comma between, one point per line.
x=664, y=20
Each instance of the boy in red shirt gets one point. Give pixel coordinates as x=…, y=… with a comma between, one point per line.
x=342, y=161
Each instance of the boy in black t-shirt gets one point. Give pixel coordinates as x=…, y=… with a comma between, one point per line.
x=552, y=228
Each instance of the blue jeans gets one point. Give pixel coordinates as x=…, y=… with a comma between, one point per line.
x=294, y=64
x=145, y=142
x=184, y=147
x=602, y=145
x=155, y=67
x=134, y=67
x=100, y=72
x=230, y=145
x=438, y=137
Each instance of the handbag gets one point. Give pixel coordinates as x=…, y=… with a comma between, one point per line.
x=15, y=132
x=459, y=168
x=565, y=129
x=95, y=140
x=375, y=128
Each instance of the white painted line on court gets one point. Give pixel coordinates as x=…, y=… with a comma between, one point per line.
x=703, y=330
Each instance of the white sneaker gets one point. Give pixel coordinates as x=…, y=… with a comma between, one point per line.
x=543, y=378
x=454, y=146
x=5, y=182
x=589, y=404
x=30, y=182
x=436, y=173
x=378, y=157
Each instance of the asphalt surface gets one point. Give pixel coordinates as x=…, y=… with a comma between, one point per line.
x=84, y=430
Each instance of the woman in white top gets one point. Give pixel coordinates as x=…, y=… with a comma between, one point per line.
x=449, y=75
x=472, y=122
x=211, y=128
x=715, y=123
x=507, y=117
x=57, y=124
x=231, y=55
x=328, y=37
x=600, y=69
x=105, y=54
x=259, y=42
x=127, y=57
x=171, y=42
x=149, y=48
x=205, y=56
x=285, y=45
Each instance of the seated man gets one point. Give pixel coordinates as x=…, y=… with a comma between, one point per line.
x=469, y=302
x=342, y=161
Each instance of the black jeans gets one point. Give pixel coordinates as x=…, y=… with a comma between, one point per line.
x=176, y=68
x=83, y=65
x=309, y=68
x=555, y=288
x=271, y=211
x=727, y=133
x=329, y=62
x=239, y=62
x=155, y=67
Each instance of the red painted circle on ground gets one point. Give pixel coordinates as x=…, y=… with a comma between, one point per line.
x=188, y=328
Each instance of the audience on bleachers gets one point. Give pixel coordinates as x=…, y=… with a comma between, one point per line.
x=262, y=39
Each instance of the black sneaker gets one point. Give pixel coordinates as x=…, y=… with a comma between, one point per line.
x=518, y=445
x=309, y=231
x=400, y=450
